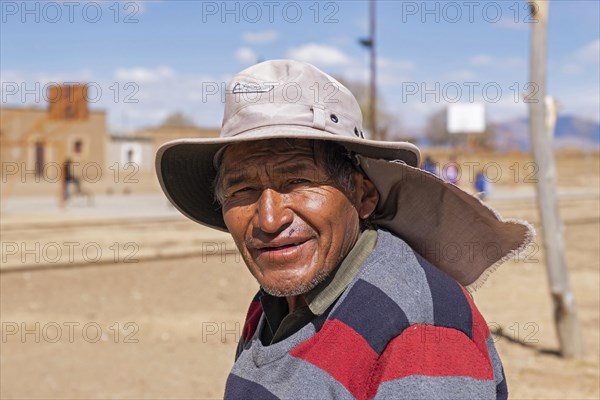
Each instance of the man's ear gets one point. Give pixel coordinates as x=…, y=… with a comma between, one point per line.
x=368, y=196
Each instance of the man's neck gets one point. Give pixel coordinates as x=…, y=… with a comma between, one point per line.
x=295, y=302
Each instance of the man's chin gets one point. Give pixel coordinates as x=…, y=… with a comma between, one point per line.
x=295, y=289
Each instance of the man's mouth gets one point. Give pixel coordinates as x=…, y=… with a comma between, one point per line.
x=277, y=246
x=282, y=250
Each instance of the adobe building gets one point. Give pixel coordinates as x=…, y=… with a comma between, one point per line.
x=36, y=142
x=134, y=154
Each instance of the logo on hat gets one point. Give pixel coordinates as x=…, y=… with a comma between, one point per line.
x=251, y=88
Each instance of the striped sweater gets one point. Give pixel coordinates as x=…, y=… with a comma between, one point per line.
x=402, y=329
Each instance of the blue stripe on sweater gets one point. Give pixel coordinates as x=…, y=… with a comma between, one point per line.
x=451, y=308
x=502, y=389
x=240, y=388
x=372, y=314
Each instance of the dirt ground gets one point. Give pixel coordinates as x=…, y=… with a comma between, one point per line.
x=167, y=329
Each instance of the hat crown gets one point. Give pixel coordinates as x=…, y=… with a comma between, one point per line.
x=289, y=93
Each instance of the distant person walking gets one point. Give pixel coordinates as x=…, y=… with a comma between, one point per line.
x=430, y=166
x=69, y=177
x=481, y=185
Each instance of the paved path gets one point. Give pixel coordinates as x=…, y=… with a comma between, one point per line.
x=155, y=206
x=37, y=234
x=46, y=209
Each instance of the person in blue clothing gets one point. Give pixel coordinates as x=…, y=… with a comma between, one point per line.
x=430, y=166
x=481, y=185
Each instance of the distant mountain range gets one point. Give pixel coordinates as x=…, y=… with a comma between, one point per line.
x=570, y=131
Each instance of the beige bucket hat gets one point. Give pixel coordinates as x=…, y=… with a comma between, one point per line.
x=450, y=228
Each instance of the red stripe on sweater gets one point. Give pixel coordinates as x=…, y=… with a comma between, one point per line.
x=341, y=352
x=480, y=329
x=254, y=312
x=432, y=351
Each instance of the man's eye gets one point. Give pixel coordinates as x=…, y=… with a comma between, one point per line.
x=298, y=181
x=247, y=189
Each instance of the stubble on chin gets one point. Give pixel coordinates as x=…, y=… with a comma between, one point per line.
x=298, y=289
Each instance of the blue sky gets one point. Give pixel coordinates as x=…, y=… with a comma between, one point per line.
x=165, y=54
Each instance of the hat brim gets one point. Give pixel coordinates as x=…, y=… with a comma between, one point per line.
x=186, y=172
x=452, y=229
x=447, y=226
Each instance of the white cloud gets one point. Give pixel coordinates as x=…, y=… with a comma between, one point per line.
x=260, y=37
x=141, y=6
x=139, y=74
x=245, y=55
x=362, y=23
x=572, y=69
x=582, y=100
x=128, y=9
x=508, y=22
x=43, y=78
x=132, y=97
x=481, y=59
x=510, y=62
x=357, y=72
x=21, y=88
x=589, y=53
x=584, y=58
x=393, y=72
x=342, y=41
x=197, y=96
x=461, y=75
x=319, y=54
x=506, y=109
x=385, y=63
x=390, y=72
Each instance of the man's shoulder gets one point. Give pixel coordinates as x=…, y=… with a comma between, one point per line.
x=407, y=277
x=397, y=288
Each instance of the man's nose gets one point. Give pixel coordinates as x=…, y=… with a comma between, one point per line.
x=272, y=213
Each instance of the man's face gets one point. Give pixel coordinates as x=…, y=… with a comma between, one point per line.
x=289, y=220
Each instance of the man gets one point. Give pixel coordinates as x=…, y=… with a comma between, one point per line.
x=69, y=177
x=361, y=257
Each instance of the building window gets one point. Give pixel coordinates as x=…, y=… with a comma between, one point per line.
x=77, y=146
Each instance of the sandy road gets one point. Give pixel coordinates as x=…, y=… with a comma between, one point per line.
x=34, y=246
x=160, y=324
x=39, y=245
x=167, y=328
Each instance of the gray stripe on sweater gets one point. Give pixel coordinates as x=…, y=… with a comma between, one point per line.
x=260, y=355
x=408, y=288
x=293, y=378
x=496, y=363
x=437, y=388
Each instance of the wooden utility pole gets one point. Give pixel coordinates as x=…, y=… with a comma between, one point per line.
x=369, y=43
x=565, y=313
x=373, y=91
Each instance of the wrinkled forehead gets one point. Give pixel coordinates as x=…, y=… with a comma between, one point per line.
x=273, y=158
x=267, y=151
